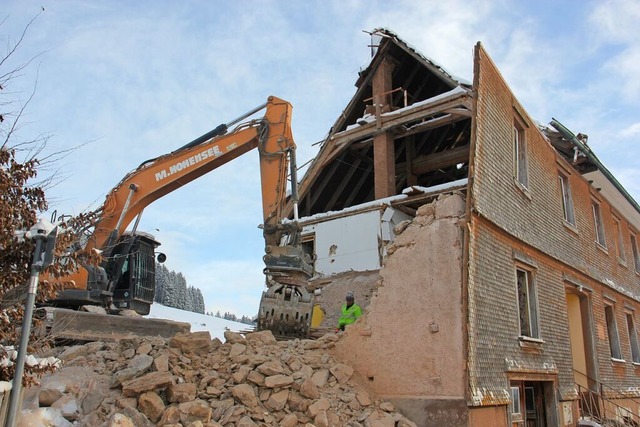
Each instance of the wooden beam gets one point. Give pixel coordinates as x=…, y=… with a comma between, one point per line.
x=384, y=165
x=431, y=162
x=412, y=178
x=390, y=120
x=433, y=123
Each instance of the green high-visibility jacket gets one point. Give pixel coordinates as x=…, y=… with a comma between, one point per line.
x=349, y=315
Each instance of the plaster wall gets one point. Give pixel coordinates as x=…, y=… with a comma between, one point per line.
x=353, y=242
x=346, y=243
x=409, y=342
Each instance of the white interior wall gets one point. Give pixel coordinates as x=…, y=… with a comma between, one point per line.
x=352, y=243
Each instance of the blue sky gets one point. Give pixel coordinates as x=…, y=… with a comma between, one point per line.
x=134, y=80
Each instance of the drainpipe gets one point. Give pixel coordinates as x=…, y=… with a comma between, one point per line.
x=569, y=136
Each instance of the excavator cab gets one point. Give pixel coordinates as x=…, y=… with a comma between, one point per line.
x=126, y=280
x=131, y=266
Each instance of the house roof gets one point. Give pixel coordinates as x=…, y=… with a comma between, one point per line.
x=576, y=151
x=430, y=124
x=430, y=110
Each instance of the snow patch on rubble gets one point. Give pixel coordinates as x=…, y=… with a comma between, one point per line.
x=199, y=322
x=11, y=354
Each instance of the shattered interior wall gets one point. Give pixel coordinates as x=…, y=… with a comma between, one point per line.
x=409, y=343
x=351, y=241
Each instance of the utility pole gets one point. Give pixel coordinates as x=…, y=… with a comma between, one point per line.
x=44, y=235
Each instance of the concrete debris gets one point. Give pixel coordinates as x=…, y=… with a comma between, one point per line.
x=193, y=381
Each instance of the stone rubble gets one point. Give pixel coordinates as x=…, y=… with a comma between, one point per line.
x=191, y=380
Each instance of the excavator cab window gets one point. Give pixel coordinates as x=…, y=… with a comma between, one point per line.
x=133, y=259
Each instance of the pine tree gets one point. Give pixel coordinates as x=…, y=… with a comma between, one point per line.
x=161, y=284
x=181, y=287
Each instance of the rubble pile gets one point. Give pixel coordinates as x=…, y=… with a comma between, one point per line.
x=191, y=380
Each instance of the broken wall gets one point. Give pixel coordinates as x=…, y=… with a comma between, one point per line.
x=345, y=243
x=351, y=241
x=409, y=343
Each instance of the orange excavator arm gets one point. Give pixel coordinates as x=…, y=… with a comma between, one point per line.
x=286, y=305
x=157, y=177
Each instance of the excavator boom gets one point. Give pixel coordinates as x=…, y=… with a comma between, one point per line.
x=286, y=264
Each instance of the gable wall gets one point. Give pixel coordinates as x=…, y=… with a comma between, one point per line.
x=507, y=217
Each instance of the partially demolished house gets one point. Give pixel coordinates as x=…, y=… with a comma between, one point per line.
x=506, y=285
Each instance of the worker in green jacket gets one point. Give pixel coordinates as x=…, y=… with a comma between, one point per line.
x=349, y=312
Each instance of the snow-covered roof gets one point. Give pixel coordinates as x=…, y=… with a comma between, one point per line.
x=385, y=32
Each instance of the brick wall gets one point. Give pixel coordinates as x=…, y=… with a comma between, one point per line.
x=508, y=216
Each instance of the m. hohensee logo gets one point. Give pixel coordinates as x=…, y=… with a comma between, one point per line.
x=195, y=159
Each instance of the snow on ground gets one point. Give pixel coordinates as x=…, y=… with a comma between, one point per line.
x=199, y=322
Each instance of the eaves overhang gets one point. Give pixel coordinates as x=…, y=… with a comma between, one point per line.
x=602, y=178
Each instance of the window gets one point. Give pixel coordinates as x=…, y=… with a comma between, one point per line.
x=598, y=225
x=633, y=339
x=567, y=202
x=618, y=236
x=612, y=331
x=527, y=304
x=634, y=251
x=520, y=155
x=308, y=244
x=516, y=405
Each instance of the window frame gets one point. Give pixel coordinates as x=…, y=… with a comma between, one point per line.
x=308, y=244
x=520, y=155
x=598, y=224
x=612, y=331
x=568, y=211
x=619, y=237
x=527, y=295
x=516, y=400
x=633, y=337
x=633, y=237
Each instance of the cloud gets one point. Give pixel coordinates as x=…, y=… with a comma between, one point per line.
x=630, y=131
x=615, y=26
x=144, y=81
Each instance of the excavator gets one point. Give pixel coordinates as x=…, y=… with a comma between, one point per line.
x=126, y=278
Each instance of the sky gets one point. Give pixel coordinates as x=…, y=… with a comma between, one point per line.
x=119, y=82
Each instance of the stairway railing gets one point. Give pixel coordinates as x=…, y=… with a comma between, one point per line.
x=604, y=410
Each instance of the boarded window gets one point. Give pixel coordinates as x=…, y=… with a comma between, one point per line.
x=567, y=201
x=612, y=332
x=598, y=225
x=527, y=304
